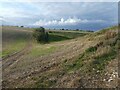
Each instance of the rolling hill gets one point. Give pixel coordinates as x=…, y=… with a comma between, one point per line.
x=70, y=60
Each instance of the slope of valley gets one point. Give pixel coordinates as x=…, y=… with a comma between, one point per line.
x=87, y=61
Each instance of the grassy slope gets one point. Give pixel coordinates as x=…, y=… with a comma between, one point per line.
x=69, y=63
x=90, y=63
x=13, y=40
x=41, y=49
x=103, y=51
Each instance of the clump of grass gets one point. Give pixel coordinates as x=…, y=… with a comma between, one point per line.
x=44, y=82
x=65, y=60
x=79, y=63
x=91, y=49
x=113, y=42
x=100, y=61
x=75, y=65
x=41, y=50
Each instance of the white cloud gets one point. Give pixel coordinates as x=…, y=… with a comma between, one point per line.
x=2, y=19
x=12, y=12
x=59, y=0
x=57, y=14
x=62, y=21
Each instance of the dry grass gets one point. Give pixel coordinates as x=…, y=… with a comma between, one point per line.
x=68, y=64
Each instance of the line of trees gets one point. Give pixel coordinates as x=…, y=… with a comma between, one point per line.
x=41, y=35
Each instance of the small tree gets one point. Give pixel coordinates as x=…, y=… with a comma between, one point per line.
x=77, y=29
x=40, y=35
x=46, y=37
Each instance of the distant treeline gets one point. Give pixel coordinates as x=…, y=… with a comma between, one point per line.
x=73, y=30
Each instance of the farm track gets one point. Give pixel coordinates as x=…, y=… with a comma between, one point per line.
x=12, y=58
x=45, y=63
x=8, y=61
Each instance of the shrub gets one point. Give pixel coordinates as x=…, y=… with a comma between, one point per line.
x=50, y=32
x=77, y=30
x=46, y=37
x=40, y=35
x=21, y=26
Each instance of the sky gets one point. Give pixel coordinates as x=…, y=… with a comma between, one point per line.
x=68, y=15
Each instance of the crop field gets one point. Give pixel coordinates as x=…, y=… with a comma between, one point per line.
x=72, y=59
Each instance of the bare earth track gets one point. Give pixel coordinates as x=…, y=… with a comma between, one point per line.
x=10, y=60
x=44, y=63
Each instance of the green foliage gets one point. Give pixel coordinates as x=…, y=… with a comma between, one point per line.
x=74, y=65
x=41, y=50
x=70, y=35
x=44, y=82
x=57, y=37
x=21, y=26
x=40, y=35
x=91, y=49
x=97, y=62
x=100, y=61
x=60, y=35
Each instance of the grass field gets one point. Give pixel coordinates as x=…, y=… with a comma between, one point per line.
x=73, y=59
x=13, y=40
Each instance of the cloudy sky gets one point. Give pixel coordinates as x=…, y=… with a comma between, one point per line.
x=71, y=15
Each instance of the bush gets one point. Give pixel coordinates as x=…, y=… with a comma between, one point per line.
x=77, y=30
x=40, y=35
x=21, y=26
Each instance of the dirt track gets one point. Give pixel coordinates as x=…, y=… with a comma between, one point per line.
x=10, y=60
x=45, y=63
